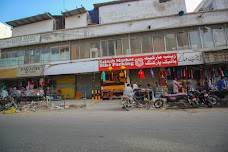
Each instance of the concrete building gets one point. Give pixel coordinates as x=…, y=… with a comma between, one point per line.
x=5, y=31
x=116, y=43
x=207, y=5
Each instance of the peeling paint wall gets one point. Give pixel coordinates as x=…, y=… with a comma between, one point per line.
x=191, y=19
x=38, y=27
x=139, y=9
x=76, y=21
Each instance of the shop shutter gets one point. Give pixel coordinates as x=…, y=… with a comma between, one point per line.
x=88, y=82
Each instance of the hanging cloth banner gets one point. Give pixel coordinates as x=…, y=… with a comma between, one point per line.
x=152, y=73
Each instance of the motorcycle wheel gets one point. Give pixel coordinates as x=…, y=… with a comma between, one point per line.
x=208, y=103
x=183, y=104
x=194, y=104
x=127, y=105
x=158, y=103
x=213, y=99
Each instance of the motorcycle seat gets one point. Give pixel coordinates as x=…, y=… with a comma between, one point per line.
x=175, y=95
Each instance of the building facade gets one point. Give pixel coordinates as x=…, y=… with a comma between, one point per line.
x=5, y=31
x=106, y=49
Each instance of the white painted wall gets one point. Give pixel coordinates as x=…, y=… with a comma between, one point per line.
x=5, y=31
x=139, y=9
x=217, y=4
x=71, y=67
x=38, y=27
x=191, y=19
x=75, y=21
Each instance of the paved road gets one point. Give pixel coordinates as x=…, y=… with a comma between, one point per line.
x=105, y=127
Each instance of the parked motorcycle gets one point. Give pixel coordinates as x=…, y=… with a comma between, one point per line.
x=7, y=103
x=202, y=98
x=181, y=100
x=218, y=97
x=129, y=103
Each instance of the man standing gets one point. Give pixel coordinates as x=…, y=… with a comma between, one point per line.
x=221, y=84
x=5, y=93
x=175, y=85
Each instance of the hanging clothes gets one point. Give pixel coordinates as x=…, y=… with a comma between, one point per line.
x=103, y=76
x=152, y=73
x=141, y=74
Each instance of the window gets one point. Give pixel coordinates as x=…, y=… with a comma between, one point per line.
x=158, y=43
x=118, y=45
x=171, y=43
x=37, y=55
x=108, y=47
x=126, y=49
x=182, y=39
x=45, y=54
x=54, y=54
x=21, y=55
x=226, y=34
x=195, y=41
x=95, y=49
x=207, y=37
x=111, y=47
x=219, y=36
x=135, y=45
x=104, y=46
x=64, y=53
x=84, y=50
x=147, y=44
x=75, y=52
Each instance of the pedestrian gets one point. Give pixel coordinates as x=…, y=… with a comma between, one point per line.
x=135, y=86
x=184, y=85
x=221, y=84
x=175, y=85
x=5, y=93
x=206, y=85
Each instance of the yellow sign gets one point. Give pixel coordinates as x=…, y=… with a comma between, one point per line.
x=8, y=73
x=122, y=67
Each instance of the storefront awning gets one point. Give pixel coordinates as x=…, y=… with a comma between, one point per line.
x=216, y=57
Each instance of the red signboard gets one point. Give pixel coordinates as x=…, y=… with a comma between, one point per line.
x=137, y=62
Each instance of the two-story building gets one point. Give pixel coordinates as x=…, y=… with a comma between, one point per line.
x=118, y=42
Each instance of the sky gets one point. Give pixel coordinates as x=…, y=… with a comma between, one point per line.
x=17, y=9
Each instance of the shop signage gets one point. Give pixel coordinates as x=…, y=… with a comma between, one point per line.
x=190, y=58
x=137, y=62
x=36, y=70
x=19, y=41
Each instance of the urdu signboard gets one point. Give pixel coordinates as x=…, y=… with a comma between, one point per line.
x=137, y=62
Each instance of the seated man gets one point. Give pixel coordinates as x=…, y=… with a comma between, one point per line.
x=128, y=91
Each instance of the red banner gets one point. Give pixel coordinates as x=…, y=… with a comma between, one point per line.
x=137, y=62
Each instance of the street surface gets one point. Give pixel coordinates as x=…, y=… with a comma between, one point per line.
x=106, y=127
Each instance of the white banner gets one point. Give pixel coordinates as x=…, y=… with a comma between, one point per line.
x=190, y=58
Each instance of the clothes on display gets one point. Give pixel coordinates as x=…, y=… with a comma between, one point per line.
x=141, y=74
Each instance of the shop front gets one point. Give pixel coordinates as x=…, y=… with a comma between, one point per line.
x=73, y=79
x=30, y=82
x=143, y=70
x=158, y=70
